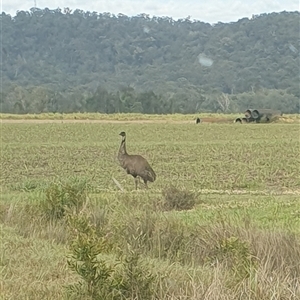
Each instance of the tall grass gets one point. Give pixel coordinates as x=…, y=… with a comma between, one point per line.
x=141, y=251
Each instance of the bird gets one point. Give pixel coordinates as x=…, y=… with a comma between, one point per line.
x=198, y=120
x=135, y=165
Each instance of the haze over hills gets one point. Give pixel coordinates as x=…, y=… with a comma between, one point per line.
x=54, y=60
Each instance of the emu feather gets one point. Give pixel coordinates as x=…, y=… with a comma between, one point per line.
x=135, y=165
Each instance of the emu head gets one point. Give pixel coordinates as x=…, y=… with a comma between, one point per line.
x=123, y=135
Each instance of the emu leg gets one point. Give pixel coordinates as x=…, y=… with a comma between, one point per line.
x=146, y=185
x=136, y=180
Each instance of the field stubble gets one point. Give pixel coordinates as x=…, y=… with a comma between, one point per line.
x=216, y=157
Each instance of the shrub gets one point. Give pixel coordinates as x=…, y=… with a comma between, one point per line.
x=236, y=255
x=60, y=196
x=136, y=281
x=178, y=199
x=128, y=278
x=85, y=248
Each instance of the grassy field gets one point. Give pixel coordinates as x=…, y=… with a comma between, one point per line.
x=222, y=220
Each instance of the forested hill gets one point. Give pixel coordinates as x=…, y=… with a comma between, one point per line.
x=54, y=60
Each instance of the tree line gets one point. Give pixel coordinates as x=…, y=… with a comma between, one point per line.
x=67, y=61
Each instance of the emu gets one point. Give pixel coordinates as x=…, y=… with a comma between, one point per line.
x=135, y=165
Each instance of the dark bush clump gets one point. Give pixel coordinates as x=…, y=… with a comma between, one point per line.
x=178, y=199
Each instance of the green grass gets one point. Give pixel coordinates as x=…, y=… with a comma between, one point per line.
x=246, y=185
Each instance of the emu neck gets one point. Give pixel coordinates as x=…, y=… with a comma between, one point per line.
x=122, y=149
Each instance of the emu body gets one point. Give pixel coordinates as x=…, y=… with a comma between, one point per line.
x=135, y=165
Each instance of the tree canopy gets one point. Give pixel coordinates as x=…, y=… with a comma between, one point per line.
x=66, y=61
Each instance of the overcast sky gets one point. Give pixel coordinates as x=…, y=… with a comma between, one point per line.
x=212, y=11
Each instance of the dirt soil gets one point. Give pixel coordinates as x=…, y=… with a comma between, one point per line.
x=40, y=121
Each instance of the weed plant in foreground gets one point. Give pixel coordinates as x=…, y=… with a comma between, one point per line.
x=221, y=221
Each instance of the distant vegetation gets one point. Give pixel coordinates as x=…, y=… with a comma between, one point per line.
x=77, y=61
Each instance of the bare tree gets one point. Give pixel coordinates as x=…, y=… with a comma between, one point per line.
x=224, y=102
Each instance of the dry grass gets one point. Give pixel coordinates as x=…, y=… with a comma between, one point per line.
x=213, y=252
x=132, y=117
x=116, y=117
x=32, y=268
